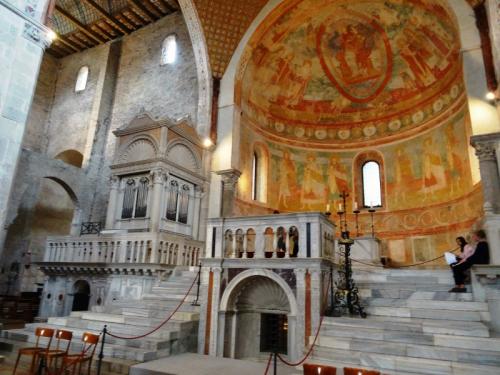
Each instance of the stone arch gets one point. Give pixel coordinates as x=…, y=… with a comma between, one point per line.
x=81, y=295
x=181, y=153
x=246, y=299
x=204, y=71
x=71, y=157
x=142, y=147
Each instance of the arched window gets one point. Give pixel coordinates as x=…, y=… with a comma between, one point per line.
x=255, y=176
x=81, y=79
x=169, y=50
x=259, y=171
x=372, y=194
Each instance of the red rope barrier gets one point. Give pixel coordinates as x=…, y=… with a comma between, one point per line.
x=162, y=323
x=268, y=363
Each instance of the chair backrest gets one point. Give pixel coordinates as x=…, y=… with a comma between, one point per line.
x=311, y=369
x=61, y=334
x=47, y=333
x=359, y=371
x=90, y=341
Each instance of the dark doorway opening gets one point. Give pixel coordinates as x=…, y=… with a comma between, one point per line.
x=81, y=296
x=274, y=333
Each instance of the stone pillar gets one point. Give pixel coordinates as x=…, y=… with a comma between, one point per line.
x=301, y=340
x=158, y=176
x=22, y=45
x=113, y=201
x=217, y=273
x=486, y=146
x=229, y=182
x=316, y=296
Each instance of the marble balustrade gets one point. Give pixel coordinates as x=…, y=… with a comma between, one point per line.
x=127, y=248
x=271, y=236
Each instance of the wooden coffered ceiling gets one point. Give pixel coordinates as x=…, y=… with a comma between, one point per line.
x=82, y=24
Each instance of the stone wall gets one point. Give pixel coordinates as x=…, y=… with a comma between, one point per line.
x=125, y=77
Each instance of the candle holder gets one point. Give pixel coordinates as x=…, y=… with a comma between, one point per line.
x=371, y=210
x=356, y=213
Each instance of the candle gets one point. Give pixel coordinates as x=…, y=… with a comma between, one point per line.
x=340, y=207
x=371, y=204
x=355, y=206
x=328, y=207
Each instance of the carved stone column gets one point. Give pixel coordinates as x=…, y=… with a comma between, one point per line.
x=302, y=341
x=485, y=146
x=113, y=201
x=158, y=176
x=229, y=183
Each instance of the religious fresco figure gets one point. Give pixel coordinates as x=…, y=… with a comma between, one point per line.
x=313, y=185
x=434, y=174
x=403, y=174
x=337, y=178
x=286, y=180
x=455, y=165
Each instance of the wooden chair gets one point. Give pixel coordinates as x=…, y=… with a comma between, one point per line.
x=40, y=332
x=359, y=371
x=311, y=369
x=72, y=361
x=61, y=349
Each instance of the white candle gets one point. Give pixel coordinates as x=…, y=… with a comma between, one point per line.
x=371, y=204
x=328, y=207
x=355, y=206
x=340, y=207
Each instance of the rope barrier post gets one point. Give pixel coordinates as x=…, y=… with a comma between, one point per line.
x=275, y=363
x=196, y=303
x=101, y=353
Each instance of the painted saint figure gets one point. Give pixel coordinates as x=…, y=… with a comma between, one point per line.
x=337, y=178
x=286, y=180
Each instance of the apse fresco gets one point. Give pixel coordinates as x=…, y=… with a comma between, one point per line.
x=323, y=72
x=325, y=85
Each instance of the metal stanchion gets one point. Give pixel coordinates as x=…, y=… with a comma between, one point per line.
x=275, y=363
x=195, y=303
x=101, y=353
x=41, y=366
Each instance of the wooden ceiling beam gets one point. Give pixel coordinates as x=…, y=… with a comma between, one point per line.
x=91, y=34
x=58, y=45
x=158, y=8
x=56, y=52
x=167, y=5
x=126, y=21
x=68, y=43
x=133, y=17
x=103, y=32
x=113, y=21
x=82, y=40
x=143, y=9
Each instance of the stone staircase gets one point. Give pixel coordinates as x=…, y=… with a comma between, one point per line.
x=414, y=326
x=130, y=318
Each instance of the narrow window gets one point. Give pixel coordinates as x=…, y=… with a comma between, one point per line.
x=173, y=196
x=372, y=196
x=141, y=201
x=255, y=176
x=128, y=199
x=81, y=80
x=169, y=50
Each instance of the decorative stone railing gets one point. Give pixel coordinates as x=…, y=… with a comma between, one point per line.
x=124, y=248
x=298, y=235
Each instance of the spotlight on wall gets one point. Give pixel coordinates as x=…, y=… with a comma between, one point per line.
x=490, y=96
x=207, y=143
x=51, y=35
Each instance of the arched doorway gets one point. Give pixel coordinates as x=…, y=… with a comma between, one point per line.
x=81, y=296
x=259, y=316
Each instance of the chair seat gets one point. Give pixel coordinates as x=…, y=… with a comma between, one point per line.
x=55, y=353
x=31, y=350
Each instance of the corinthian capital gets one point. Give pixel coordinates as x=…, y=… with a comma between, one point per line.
x=230, y=178
x=158, y=175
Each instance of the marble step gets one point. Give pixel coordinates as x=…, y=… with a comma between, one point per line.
x=161, y=296
x=406, y=325
x=427, y=313
x=416, y=303
x=400, y=292
x=404, y=286
x=484, y=357
x=401, y=364
x=146, y=320
x=156, y=313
